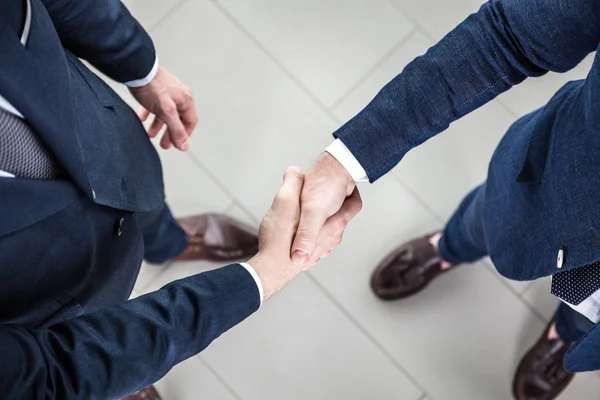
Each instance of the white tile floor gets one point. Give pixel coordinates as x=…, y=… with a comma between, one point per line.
x=272, y=80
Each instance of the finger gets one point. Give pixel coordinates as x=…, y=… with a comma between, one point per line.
x=155, y=127
x=312, y=219
x=288, y=196
x=177, y=132
x=143, y=114
x=189, y=116
x=165, y=141
x=352, y=206
x=332, y=232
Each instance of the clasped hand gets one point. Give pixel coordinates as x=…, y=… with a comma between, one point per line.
x=278, y=231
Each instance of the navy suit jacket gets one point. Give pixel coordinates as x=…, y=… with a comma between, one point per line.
x=66, y=329
x=543, y=187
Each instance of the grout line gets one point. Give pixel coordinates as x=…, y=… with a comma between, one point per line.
x=492, y=270
x=369, y=336
x=167, y=15
x=410, y=34
x=221, y=186
x=528, y=288
x=423, y=397
x=271, y=57
x=490, y=266
x=219, y=377
x=435, y=40
x=163, y=269
x=418, y=198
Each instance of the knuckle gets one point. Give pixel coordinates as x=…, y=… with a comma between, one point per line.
x=305, y=236
x=293, y=172
x=340, y=225
x=336, y=241
x=168, y=107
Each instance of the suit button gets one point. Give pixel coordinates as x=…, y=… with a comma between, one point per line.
x=120, y=226
x=560, y=258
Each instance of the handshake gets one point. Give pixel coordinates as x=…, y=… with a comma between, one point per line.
x=305, y=222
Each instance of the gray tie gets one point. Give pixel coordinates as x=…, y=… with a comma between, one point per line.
x=22, y=153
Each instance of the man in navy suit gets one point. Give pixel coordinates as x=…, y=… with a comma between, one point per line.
x=82, y=203
x=538, y=213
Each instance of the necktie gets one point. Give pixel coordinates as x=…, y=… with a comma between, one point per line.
x=22, y=153
x=578, y=284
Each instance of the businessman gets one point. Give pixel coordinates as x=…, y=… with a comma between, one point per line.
x=538, y=213
x=82, y=203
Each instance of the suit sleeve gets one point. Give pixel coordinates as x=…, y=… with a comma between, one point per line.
x=104, y=33
x=492, y=50
x=113, y=352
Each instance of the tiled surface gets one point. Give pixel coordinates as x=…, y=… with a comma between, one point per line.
x=272, y=79
x=538, y=296
x=192, y=380
x=535, y=92
x=297, y=33
x=326, y=359
x=438, y=17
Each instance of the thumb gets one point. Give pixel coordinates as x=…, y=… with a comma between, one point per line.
x=312, y=219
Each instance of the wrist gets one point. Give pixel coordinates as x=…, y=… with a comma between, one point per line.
x=274, y=272
x=336, y=167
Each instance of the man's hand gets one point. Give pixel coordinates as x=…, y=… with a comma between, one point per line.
x=326, y=209
x=171, y=103
x=277, y=230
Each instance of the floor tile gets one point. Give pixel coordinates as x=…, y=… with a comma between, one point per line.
x=438, y=17
x=461, y=338
x=192, y=380
x=254, y=120
x=147, y=273
x=518, y=286
x=150, y=12
x=534, y=93
x=239, y=214
x=585, y=386
x=540, y=298
x=415, y=45
x=300, y=346
x=327, y=44
x=443, y=170
x=189, y=190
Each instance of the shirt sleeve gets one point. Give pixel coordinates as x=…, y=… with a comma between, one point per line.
x=259, y=285
x=345, y=157
x=145, y=80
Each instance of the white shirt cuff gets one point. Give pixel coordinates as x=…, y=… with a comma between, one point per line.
x=341, y=153
x=147, y=79
x=256, y=279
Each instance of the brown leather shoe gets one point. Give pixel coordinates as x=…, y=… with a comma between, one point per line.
x=217, y=237
x=541, y=375
x=406, y=270
x=148, y=393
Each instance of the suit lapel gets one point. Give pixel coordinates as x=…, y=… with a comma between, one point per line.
x=35, y=79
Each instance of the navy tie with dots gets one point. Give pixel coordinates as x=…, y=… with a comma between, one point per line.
x=578, y=284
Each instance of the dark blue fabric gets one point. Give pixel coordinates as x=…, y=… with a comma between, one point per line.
x=92, y=132
x=570, y=325
x=163, y=237
x=542, y=192
x=66, y=269
x=463, y=241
